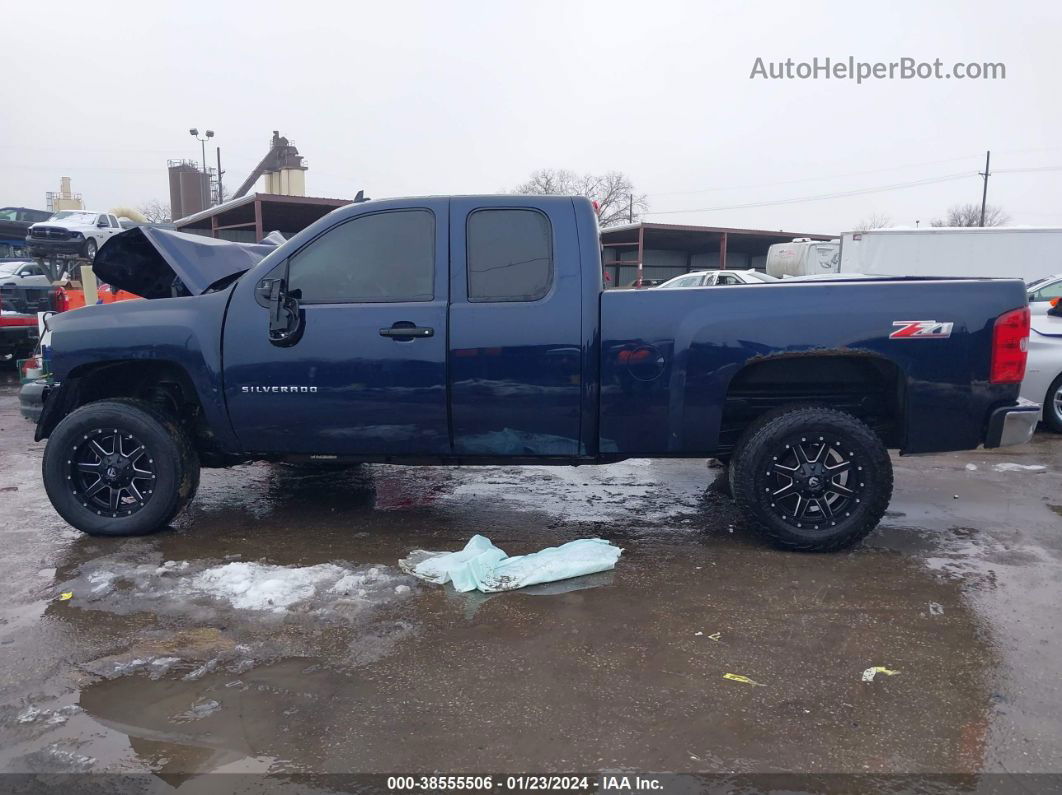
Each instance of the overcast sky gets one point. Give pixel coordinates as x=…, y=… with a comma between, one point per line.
x=437, y=97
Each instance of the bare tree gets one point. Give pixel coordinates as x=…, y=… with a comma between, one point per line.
x=873, y=221
x=970, y=215
x=156, y=212
x=613, y=192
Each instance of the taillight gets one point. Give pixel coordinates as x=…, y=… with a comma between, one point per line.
x=1010, y=345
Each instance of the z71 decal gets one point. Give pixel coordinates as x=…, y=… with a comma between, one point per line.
x=920, y=330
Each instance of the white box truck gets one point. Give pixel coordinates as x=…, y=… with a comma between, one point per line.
x=1003, y=252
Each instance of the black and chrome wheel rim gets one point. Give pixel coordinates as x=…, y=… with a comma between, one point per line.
x=814, y=482
x=1056, y=404
x=111, y=472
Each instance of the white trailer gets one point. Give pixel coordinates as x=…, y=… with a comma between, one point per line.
x=998, y=252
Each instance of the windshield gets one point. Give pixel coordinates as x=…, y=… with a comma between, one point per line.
x=761, y=277
x=74, y=215
x=8, y=268
x=8, y=213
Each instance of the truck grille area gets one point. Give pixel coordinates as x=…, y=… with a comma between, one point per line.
x=49, y=233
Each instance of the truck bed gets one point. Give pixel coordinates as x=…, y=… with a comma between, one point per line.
x=681, y=370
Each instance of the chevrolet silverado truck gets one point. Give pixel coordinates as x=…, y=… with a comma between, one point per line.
x=474, y=330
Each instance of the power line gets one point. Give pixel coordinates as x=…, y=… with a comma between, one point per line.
x=1022, y=170
x=822, y=196
x=816, y=179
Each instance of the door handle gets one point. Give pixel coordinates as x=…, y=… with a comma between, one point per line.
x=409, y=332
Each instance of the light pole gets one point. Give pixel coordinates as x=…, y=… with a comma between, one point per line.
x=194, y=132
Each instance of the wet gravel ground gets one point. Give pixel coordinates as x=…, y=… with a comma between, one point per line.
x=146, y=669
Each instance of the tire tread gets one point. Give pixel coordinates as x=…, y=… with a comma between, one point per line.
x=788, y=421
x=188, y=459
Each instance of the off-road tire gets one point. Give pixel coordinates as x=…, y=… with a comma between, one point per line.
x=1052, y=409
x=174, y=461
x=871, y=469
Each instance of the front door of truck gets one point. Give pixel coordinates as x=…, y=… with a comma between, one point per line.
x=367, y=376
x=516, y=327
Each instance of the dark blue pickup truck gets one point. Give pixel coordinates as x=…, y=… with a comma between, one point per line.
x=474, y=330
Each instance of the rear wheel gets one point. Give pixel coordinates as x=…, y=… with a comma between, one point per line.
x=1053, y=406
x=119, y=468
x=813, y=479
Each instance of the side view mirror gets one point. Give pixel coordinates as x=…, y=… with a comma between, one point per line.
x=285, y=316
x=102, y=224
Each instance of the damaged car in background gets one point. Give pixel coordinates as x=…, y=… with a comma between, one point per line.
x=475, y=330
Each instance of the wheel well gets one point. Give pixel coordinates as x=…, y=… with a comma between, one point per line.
x=868, y=387
x=164, y=385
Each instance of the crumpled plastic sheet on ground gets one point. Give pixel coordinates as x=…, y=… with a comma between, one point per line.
x=482, y=566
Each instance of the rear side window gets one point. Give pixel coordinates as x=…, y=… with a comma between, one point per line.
x=510, y=255
x=371, y=259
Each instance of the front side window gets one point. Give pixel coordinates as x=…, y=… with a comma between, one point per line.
x=376, y=258
x=727, y=278
x=510, y=255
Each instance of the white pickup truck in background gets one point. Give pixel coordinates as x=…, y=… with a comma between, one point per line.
x=72, y=232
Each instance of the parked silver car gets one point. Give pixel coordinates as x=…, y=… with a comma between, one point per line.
x=1043, y=373
x=23, y=273
x=716, y=278
x=1042, y=291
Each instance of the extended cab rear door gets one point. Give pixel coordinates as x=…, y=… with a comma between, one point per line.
x=516, y=352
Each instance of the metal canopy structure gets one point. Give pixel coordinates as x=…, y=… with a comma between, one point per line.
x=632, y=246
x=249, y=218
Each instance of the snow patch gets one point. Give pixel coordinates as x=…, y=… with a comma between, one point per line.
x=1012, y=467
x=185, y=588
x=255, y=586
x=197, y=712
x=51, y=717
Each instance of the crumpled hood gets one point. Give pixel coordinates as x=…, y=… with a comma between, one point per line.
x=160, y=263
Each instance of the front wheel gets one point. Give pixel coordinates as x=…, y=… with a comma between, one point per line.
x=90, y=250
x=119, y=468
x=813, y=479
